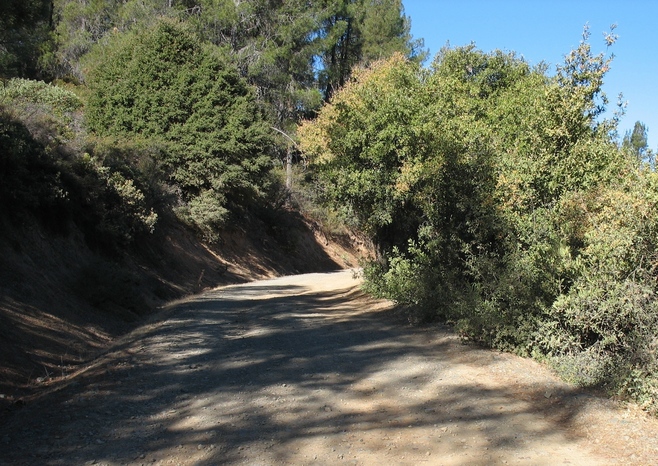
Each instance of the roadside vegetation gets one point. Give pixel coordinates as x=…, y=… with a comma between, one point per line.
x=156, y=110
x=501, y=201
x=143, y=153
x=497, y=195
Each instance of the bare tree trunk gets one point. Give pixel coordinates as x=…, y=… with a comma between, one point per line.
x=289, y=169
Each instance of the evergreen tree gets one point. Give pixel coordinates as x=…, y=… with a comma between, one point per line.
x=636, y=141
x=292, y=51
x=357, y=32
x=24, y=26
x=164, y=85
x=386, y=30
x=78, y=26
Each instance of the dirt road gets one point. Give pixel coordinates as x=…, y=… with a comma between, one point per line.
x=307, y=370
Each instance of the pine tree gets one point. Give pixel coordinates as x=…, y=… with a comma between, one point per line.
x=636, y=141
x=24, y=25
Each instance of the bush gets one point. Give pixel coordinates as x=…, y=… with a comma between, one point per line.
x=107, y=194
x=500, y=203
x=121, y=207
x=49, y=112
x=610, y=312
x=164, y=85
x=29, y=179
x=205, y=213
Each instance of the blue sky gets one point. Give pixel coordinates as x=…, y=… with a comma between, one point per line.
x=546, y=30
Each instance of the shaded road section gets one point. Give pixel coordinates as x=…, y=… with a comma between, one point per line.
x=309, y=370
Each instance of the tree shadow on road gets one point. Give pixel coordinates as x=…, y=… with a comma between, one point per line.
x=265, y=371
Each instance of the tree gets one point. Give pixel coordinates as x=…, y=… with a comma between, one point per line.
x=295, y=52
x=359, y=142
x=164, y=85
x=79, y=25
x=636, y=141
x=24, y=26
x=357, y=32
x=501, y=202
x=457, y=174
x=278, y=57
x=386, y=31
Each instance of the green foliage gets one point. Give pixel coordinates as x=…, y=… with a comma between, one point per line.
x=358, y=147
x=107, y=195
x=358, y=32
x=29, y=179
x=637, y=139
x=23, y=31
x=275, y=49
x=206, y=213
x=175, y=74
x=276, y=45
x=79, y=26
x=610, y=311
x=636, y=143
x=305, y=196
x=122, y=209
x=36, y=119
x=164, y=85
x=500, y=202
x=386, y=31
x=24, y=93
x=51, y=113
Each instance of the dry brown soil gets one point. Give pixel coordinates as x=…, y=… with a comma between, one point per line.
x=308, y=370
x=63, y=302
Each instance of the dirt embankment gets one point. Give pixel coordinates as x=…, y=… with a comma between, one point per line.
x=308, y=370
x=61, y=303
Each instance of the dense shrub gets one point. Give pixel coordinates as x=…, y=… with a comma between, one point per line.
x=163, y=84
x=606, y=321
x=49, y=112
x=29, y=179
x=500, y=201
x=107, y=193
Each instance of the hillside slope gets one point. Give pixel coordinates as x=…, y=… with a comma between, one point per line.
x=61, y=303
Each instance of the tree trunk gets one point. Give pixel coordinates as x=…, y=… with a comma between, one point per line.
x=289, y=169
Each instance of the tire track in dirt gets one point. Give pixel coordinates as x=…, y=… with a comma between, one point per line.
x=308, y=370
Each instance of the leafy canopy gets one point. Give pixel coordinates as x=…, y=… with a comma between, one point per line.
x=500, y=201
x=165, y=84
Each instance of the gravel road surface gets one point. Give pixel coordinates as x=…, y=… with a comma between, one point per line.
x=308, y=370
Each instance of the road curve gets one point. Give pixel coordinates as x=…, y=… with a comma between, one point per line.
x=308, y=370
